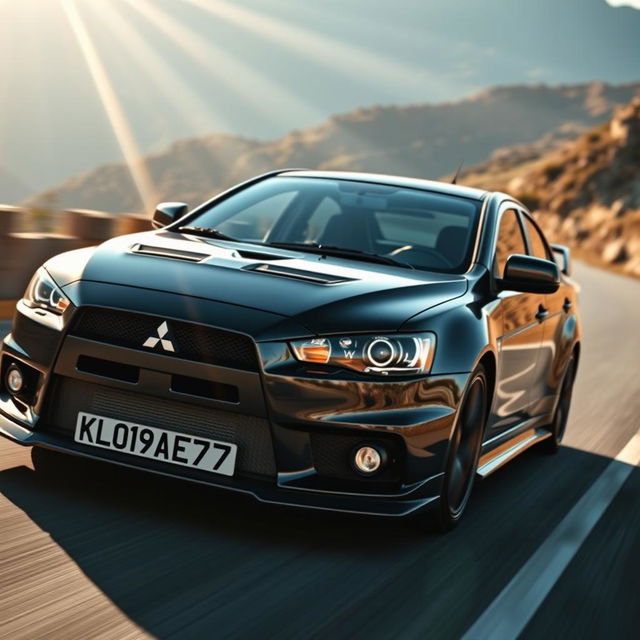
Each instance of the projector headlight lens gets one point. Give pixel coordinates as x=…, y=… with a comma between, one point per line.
x=44, y=293
x=392, y=354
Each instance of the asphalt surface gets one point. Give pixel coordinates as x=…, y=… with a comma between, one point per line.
x=107, y=553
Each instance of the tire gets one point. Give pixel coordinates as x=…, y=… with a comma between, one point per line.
x=561, y=414
x=462, y=458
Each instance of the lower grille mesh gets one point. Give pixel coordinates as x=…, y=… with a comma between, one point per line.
x=251, y=434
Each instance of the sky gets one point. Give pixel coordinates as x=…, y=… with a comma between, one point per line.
x=91, y=82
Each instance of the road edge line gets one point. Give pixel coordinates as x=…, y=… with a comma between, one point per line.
x=507, y=616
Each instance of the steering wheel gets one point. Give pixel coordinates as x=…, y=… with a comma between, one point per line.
x=424, y=250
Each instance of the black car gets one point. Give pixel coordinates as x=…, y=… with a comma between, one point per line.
x=342, y=341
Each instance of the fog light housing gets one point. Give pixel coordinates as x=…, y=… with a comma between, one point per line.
x=14, y=379
x=368, y=459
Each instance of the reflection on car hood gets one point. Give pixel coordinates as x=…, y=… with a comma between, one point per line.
x=324, y=294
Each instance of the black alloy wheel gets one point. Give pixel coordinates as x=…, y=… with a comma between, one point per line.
x=464, y=451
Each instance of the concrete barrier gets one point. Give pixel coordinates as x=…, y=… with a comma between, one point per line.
x=9, y=219
x=132, y=223
x=93, y=226
x=22, y=253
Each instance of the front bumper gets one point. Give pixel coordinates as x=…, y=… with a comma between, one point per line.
x=264, y=491
x=312, y=419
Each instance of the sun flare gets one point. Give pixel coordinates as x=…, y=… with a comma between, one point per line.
x=124, y=135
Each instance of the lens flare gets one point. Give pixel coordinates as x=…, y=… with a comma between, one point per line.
x=190, y=107
x=362, y=64
x=237, y=77
x=112, y=106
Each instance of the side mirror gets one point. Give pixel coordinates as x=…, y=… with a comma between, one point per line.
x=168, y=212
x=563, y=257
x=530, y=275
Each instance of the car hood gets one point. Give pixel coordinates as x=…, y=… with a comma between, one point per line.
x=326, y=295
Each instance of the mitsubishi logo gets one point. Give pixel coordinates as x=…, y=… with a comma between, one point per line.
x=166, y=344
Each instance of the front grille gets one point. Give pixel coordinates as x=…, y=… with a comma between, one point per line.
x=191, y=341
x=67, y=397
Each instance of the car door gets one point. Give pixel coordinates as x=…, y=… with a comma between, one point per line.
x=522, y=332
x=557, y=306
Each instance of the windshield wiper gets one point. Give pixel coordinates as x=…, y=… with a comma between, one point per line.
x=207, y=233
x=339, y=252
x=312, y=247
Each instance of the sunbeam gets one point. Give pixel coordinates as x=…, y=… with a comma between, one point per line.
x=236, y=76
x=190, y=107
x=112, y=106
x=359, y=63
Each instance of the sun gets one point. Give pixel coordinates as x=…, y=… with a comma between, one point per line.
x=635, y=4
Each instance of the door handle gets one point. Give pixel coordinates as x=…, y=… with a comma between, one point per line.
x=567, y=305
x=543, y=312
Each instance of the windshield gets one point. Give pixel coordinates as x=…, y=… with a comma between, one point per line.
x=427, y=230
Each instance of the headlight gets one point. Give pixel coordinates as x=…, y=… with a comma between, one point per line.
x=44, y=293
x=394, y=354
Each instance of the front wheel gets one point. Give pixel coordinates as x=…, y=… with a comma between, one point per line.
x=464, y=450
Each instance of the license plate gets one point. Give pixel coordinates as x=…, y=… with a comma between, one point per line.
x=157, y=444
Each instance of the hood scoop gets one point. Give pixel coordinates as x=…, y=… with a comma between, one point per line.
x=258, y=255
x=298, y=274
x=165, y=252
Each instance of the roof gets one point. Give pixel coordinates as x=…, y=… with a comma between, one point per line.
x=396, y=181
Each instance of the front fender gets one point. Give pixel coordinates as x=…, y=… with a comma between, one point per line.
x=465, y=330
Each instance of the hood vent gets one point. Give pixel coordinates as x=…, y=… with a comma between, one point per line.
x=165, y=252
x=257, y=255
x=298, y=274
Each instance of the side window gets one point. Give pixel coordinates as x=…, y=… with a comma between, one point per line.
x=509, y=242
x=536, y=244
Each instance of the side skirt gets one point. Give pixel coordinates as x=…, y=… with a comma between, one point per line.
x=496, y=458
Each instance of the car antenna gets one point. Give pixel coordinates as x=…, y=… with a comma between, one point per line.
x=455, y=177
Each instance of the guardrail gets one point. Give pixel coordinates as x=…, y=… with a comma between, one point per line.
x=21, y=253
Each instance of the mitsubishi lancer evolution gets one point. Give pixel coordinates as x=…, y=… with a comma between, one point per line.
x=344, y=341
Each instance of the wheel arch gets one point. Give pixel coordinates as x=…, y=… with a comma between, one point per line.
x=488, y=361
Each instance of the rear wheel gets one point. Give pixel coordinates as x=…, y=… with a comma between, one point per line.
x=464, y=450
x=560, y=417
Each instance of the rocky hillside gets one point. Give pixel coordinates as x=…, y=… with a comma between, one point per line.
x=419, y=140
x=586, y=192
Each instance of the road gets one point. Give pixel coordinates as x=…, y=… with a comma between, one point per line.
x=109, y=553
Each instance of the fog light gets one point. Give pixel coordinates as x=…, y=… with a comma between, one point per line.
x=368, y=460
x=14, y=379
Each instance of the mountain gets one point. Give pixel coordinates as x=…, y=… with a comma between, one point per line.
x=259, y=69
x=185, y=171
x=425, y=140
x=585, y=192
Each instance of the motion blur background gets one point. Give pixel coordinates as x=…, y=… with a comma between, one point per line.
x=114, y=105
x=110, y=106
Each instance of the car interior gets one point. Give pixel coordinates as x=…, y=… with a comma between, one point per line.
x=428, y=231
